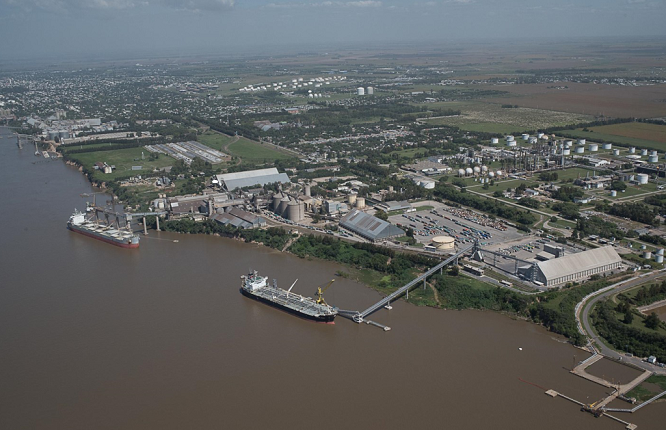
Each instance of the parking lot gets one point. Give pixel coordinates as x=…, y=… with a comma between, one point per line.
x=462, y=224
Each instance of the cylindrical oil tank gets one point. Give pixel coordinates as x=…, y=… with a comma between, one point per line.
x=654, y=153
x=360, y=203
x=276, y=201
x=526, y=136
x=607, y=145
x=642, y=178
x=308, y=190
x=469, y=171
x=568, y=143
x=428, y=185
x=580, y=149
x=660, y=251
x=594, y=147
x=494, y=140
x=632, y=150
x=539, y=135
x=647, y=254
x=613, y=193
x=616, y=152
x=581, y=141
x=659, y=259
x=444, y=243
x=511, y=143
x=653, y=159
x=461, y=172
x=351, y=199
x=566, y=151
x=293, y=212
x=644, y=151
x=282, y=208
x=510, y=138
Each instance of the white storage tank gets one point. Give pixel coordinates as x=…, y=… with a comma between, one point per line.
x=616, y=152
x=581, y=141
x=660, y=251
x=469, y=171
x=566, y=151
x=510, y=138
x=351, y=199
x=647, y=254
x=580, y=149
x=642, y=178
x=444, y=243
x=568, y=143
x=644, y=152
x=511, y=143
x=427, y=184
x=607, y=145
x=360, y=203
x=539, y=135
x=594, y=147
x=484, y=169
x=654, y=153
x=613, y=193
x=494, y=140
x=477, y=170
x=491, y=174
x=461, y=172
x=659, y=259
x=653, y=159
x=360, y=91
x=632, y=150
x=526, y=136
x=371, y=91
x=499, y=173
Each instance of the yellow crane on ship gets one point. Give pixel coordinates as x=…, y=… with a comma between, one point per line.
x=320, y=293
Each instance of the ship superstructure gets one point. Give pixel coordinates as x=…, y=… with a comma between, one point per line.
x=257, y=287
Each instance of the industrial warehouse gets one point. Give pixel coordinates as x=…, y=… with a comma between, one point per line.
x=232, y=181
x=369, y=227
x=573, y=267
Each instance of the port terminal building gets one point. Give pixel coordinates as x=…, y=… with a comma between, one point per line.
x=250, y=178
x=572, y=267
x=369, y=227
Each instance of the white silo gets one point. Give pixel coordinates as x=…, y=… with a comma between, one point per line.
x=580, y=149
x=461, y=172
x=371, y=91
x=360, y=91
x=594, y=147
x=351, y=199
x=360, y=203
x=606, y=145
x=642, y=178
x=647, y=255
x=469, y=171
x=616, y=152
x=658, y=258
x=494, y=140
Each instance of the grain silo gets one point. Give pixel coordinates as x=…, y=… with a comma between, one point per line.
x=276, y=202
x=282, y=207
x=360, y=202
x=308, y=190
x=351, y=199
x=293, y=213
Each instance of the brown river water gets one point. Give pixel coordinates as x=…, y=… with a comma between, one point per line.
x=93, y=336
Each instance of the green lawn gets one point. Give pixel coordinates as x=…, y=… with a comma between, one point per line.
x=214, y=140
x=123, y=159
x=251, y=151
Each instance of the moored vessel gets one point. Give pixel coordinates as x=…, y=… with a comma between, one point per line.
x=79, y=222
x=258, y=288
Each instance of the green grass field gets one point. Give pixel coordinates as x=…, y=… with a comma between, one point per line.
x=251, y=151
x=123, y=159
x=637, y=134
x=214, y=140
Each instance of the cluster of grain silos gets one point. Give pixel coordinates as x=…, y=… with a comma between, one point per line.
x=288, y=207
x=355, y=201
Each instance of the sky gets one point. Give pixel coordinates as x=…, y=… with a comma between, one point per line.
x=34, y=29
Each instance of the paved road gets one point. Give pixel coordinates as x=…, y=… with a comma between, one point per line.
x=587, y=305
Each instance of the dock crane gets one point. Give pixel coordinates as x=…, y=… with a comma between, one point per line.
x=320, y=293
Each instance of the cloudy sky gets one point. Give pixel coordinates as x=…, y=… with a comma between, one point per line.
x=39, y=28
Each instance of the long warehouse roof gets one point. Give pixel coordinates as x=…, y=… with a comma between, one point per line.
x=252, y=177
x=574, y=263
x=369, y=226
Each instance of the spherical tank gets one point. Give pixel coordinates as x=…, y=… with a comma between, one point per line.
x=491, y=174
x=461, y=172
x=499, y=173
x=477, y=169
x=360, y=203
x=351, y=199
x=444, y=243
x=484, y=169
x=469, y=171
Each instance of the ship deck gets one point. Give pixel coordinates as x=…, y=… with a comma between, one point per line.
x=304, y=305
x=106, y=230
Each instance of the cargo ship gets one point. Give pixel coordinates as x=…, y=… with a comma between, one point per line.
x=124, y=238
x=258, y=288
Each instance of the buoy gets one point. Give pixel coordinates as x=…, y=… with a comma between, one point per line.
x=520, y=349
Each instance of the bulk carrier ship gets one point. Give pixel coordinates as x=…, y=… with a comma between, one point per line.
x=257, y=287
x=123, y=237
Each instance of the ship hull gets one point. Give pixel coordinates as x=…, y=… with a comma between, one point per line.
x=103, y=239
x=324, y=319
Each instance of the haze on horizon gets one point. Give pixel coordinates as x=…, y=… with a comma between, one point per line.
x=48, y=29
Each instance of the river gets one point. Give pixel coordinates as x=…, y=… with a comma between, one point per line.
x=98, y=337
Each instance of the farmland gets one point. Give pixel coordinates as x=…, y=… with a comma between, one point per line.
x=642, y=135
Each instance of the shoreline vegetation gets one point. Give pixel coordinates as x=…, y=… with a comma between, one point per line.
x=385, y=270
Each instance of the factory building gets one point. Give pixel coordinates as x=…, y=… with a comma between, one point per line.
x=239, y=218
x=369, y=227
x=260, y=177
x=573, y=267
